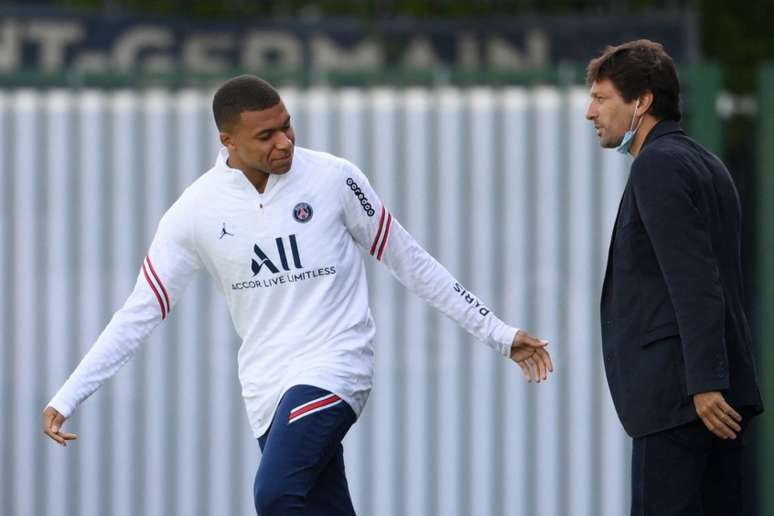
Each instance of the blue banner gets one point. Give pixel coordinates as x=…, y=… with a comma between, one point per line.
x=59, y=41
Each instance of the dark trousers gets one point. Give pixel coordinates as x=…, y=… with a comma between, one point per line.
x=687, y=471
x=302, y=465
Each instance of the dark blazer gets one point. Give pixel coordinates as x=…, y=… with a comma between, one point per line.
x=673, y=323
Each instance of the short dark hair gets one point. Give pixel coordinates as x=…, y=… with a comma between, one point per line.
x=242, y=93
x=636, y=67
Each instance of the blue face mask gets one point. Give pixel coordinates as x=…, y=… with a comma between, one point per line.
x=628, y=137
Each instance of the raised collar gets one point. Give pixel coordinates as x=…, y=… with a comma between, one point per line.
x=221, y=162
x=238, y=177
x=662, y=128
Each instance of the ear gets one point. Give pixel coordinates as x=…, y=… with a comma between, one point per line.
x=227, y=140
x=646, y=101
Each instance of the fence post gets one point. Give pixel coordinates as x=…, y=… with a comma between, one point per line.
x=766, y=275
x=703, y=83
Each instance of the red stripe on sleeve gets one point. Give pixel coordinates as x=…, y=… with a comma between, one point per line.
x=155, y=292
x=386, y=237
x=378, y=233
x=166, y=297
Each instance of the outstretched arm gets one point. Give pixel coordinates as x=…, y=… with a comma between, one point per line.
x=166, y=271
x=379, y=234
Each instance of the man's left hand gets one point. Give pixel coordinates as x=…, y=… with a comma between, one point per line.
x=531, y=355
x=717, y=415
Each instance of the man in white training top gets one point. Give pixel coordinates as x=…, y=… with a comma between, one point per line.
x=278, y=228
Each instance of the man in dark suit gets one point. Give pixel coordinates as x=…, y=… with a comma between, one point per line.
x=676, y=342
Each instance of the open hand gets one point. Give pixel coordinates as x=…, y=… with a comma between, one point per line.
x=531, y=355
x=52, y=426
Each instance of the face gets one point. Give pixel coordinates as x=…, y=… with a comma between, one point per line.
x=261, y=141
x=612, y=116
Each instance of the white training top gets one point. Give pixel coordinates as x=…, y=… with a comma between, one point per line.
x=294, y=280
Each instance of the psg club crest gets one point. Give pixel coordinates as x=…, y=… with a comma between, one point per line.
x=302, y=212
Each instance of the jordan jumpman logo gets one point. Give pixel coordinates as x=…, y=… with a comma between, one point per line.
x=223, y=232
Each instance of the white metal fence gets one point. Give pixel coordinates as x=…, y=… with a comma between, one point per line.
x=506, y=187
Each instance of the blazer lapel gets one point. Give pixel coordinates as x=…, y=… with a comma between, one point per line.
x=609, y=267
